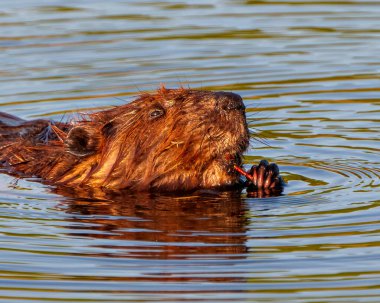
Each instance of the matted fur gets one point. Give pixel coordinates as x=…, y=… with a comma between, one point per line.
x=172, y=140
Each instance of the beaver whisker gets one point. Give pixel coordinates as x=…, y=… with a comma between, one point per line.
x=254, y=136
x=260, y=140
x=253, y=114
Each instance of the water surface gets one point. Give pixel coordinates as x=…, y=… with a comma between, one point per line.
x=309, y=74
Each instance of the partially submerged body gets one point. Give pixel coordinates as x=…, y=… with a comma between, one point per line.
x=172, y=140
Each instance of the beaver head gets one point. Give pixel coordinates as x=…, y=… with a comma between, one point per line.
x=174, y=139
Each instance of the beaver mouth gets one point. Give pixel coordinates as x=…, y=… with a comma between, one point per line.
x=232, y=160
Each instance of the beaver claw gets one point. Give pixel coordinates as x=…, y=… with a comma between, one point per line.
x=265, y=175
x=263, y=179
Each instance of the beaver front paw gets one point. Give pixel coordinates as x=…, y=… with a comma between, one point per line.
x=265, y=176
x=264, y=180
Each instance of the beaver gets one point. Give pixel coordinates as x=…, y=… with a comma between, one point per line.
x=170, y=140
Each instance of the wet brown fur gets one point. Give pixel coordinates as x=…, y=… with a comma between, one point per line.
x=171, y=140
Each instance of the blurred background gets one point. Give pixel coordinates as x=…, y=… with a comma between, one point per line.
x=308, y=72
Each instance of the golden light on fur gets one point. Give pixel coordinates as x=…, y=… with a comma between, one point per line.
x=172, y=140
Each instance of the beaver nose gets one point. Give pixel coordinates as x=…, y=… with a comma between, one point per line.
x=229, y=101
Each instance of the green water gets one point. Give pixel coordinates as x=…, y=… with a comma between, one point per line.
x=309, y=74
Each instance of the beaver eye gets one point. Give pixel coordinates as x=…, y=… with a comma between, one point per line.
x=158, y=112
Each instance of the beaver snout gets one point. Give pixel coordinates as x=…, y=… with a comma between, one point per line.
x=229, y=101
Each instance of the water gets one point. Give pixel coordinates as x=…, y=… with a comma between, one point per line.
x=309, y=74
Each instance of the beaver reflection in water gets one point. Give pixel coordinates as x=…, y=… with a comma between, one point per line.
x=172, y=140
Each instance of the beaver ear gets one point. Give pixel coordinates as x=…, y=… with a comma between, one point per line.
x=84, y=140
